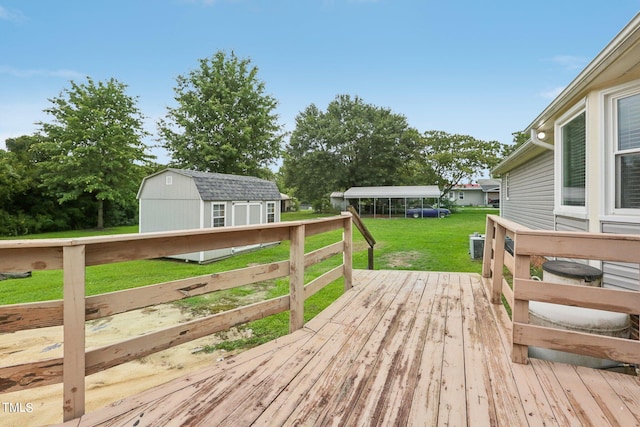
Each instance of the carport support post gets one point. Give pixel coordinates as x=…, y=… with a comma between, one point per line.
x=296, y=278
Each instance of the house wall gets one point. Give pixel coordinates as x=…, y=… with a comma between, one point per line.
x=617, y=274
x=530, y=193
x=470, y=197
x=567, y=223
x=597, y=216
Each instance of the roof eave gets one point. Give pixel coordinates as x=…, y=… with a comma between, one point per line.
x=524, y=153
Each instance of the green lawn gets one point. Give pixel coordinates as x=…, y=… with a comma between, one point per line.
x=408, y=244
x=431, y=244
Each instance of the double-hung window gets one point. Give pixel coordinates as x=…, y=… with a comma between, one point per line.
x=271, y=212
x=622, y=143
x=626, y=152
x=217, y=214
x=572, y=161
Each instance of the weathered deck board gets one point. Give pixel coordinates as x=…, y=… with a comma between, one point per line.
x=400, y=348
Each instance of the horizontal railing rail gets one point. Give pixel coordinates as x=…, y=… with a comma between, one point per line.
x=74, y=255
x=529, y=243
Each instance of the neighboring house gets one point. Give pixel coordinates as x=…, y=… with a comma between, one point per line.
x=178, y=199
x=485, y=193
x=391, y=200
x=580, y=168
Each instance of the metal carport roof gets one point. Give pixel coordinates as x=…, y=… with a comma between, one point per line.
x=392, y=192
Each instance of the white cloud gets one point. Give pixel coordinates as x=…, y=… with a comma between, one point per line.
x=570, y=62
x=11, y=15
x=552, y=93
x=67, y=74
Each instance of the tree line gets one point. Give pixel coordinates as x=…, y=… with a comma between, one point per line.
x=83, y=167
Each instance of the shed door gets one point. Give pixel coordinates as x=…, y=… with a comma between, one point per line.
x=246, y=213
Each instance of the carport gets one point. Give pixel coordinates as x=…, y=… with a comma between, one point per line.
x=391, y=201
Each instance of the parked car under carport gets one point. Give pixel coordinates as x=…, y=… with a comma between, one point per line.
x=428, y=212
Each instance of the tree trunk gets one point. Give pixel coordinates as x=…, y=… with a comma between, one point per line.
x=100, y=225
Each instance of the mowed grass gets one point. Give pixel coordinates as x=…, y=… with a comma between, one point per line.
x=429, y=244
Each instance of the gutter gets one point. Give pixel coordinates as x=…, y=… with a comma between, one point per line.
x=535, y=141
x=530, y=149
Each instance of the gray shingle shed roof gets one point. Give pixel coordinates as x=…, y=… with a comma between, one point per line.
x=222, y=186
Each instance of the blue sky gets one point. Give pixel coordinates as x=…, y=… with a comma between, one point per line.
x=481, y=68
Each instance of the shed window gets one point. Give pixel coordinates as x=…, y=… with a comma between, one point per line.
x=627, y=153
x=168, y=180
x=217, y=214
x=573, y=136
x=271, y=212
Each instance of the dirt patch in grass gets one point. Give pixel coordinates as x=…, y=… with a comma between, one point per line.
x=401, y=259
x=107, y=387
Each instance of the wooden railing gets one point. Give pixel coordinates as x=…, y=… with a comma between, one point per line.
x=529, y=243
x=74, y=255
x=368, y=237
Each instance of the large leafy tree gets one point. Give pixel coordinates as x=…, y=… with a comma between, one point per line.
x=352, y=143
x=93, y=148
x=453, y=158
x=224, y=122
x=519, y=138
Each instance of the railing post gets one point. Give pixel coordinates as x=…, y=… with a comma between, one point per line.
x=498, y=264
x=74, y=337
x=489, y=232
x=520, y=309
x=347, y=258
x=296, y=278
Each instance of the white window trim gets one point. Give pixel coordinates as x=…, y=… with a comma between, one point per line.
x=560, y=209
x=213, y=204
x=275, y=216
x=609, y=99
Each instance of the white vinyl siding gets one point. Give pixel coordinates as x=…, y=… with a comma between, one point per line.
x=566, y=223
x=621, y=275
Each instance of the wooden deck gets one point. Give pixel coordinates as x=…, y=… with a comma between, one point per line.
x=400, y=348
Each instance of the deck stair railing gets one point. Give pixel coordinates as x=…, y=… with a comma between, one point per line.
x=529, y=243
x=362, y=228
x=73, y=256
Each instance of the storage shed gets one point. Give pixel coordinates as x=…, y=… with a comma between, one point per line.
x=179, y=199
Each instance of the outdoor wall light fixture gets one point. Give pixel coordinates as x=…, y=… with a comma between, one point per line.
x=537, y=137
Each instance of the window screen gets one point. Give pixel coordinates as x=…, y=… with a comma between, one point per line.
x=628, y=153
x=573, y=162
